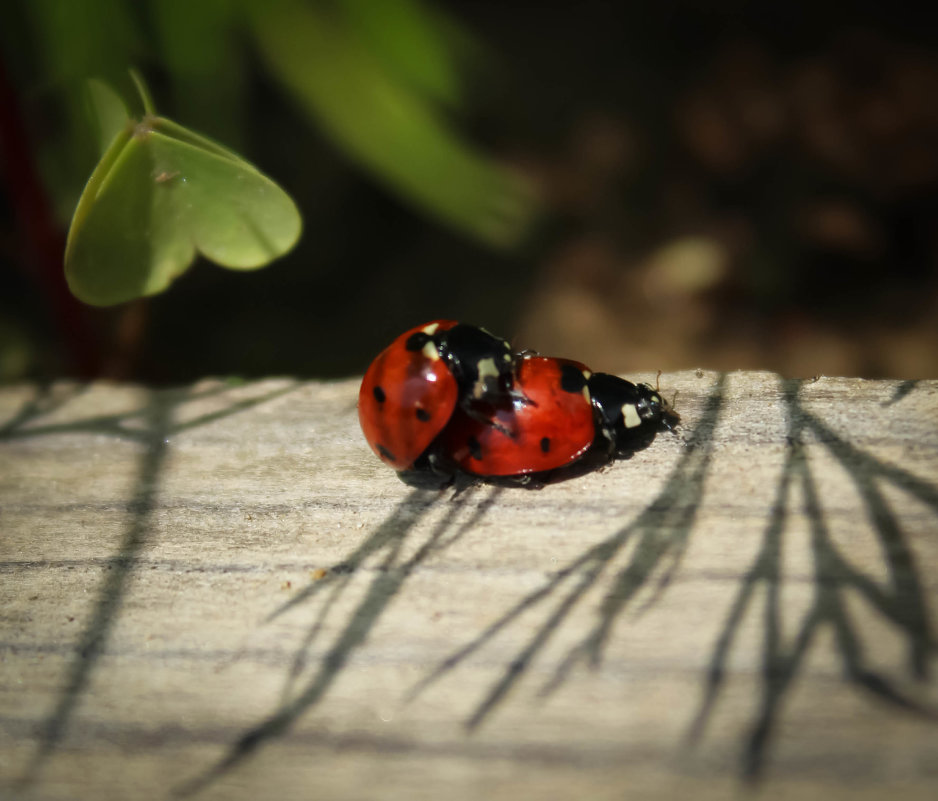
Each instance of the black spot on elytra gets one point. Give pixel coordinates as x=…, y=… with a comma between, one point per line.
x=379, y=394
x=572, y=379
x=475, y=448
x=386, y=453
x=416, y=341
x=545, y=444
x=423, y=415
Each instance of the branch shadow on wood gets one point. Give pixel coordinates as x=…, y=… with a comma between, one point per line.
x=154, y=429
x=390, y=576
x=660, y=534
x=94, y=638
x=47, y=399
x=903, y=388
x=902, y=602
x=130, y=425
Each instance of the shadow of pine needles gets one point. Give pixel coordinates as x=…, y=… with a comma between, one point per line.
x=659, y=538
x=656, y=542
x=385, y=544
x=902, y=601
x=660, y=535
x=152, y=426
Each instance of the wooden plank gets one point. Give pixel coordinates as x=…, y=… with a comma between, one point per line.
x=218, y=591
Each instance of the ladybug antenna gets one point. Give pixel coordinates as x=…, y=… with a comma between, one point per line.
x=670, y=418
x=658, y=382
x=672, y=401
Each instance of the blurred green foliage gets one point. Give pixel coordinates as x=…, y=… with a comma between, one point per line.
x=731, y=185
x=373, y=78
x=379, y=79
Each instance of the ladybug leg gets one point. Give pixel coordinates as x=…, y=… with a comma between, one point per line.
x=429, y=472
x=670, y=419
x=426, y=479
x=462, y=482
x=517, y=396
x=528, y=481
x=489, y=420
x=486, y=413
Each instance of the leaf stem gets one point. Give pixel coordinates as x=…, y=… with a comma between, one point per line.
x=145, y=97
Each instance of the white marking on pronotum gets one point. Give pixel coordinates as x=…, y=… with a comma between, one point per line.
x=429, y=350
x=630, y=415
x=487, y=369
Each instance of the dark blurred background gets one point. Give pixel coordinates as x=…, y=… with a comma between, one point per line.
x=723, y=185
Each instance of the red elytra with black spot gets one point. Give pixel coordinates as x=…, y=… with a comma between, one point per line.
x=407, y=397
x=549, y=427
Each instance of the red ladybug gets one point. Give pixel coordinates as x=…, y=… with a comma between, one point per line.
x=566, y=412
x=411, y=390
x=548, y=424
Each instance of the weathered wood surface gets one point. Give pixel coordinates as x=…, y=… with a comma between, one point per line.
x=218, y=592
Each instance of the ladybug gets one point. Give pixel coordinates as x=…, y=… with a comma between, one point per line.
x=567, y=413
x=548, y=424
x=410, y=391
x=628, y=415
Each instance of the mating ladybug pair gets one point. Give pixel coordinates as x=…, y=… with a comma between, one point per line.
x=447, y=397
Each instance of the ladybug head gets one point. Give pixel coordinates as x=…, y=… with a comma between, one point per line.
x=628, y=414
x=653, y=408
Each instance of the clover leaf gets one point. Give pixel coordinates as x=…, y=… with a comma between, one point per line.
x=161, y=194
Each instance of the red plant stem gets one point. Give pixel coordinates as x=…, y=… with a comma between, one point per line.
x=43, y=239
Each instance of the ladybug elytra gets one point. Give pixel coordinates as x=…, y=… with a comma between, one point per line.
x=410, y=390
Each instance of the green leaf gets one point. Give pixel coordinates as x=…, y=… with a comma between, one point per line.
x=386, y=124
x=160, y=195
x=406, y=36
x=109, y=115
